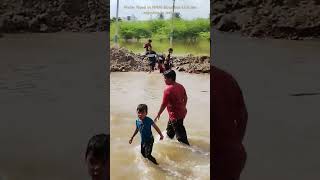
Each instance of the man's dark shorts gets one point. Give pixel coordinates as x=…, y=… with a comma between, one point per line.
x=176, y=127
x=146, y=148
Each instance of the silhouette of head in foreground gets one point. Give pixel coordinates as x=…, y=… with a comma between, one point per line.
x=229, y=120
x=97, y=157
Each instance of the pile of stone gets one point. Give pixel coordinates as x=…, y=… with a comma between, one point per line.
x=289, y=19
x=53, y=16
x=192, y=64
x=123, y=60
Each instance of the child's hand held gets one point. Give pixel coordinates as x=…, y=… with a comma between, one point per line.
x=161, y=137
x=157, y=118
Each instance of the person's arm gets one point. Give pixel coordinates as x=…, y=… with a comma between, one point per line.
x=158, y=130
x=162, y=107
x=134, y=134
x=164, y=104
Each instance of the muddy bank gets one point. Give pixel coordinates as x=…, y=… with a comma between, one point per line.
x=18, y=16
x=123, y=60
x=288, y=19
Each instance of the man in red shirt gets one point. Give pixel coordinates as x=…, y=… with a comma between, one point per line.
x=229, y=120
x=175, y=100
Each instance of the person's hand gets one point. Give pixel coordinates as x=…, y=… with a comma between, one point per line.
x=130, y=141
x=161, y=137
x=156, y=119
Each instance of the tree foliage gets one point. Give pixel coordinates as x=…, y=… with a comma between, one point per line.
x=161, y=29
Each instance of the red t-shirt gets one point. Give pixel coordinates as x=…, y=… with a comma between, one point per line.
x=174, y=96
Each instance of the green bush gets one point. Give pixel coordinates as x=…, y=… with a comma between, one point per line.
x=160, y=29
x=204, y=35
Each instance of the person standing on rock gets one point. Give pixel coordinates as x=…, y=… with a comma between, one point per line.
x=175, y=100
x=168, y=63
x=229, y=120
x=148, y=46
x=151, y=55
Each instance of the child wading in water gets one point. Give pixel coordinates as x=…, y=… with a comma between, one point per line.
x=143, y=125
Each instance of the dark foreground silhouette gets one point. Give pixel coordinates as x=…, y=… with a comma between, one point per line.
x=229, y=120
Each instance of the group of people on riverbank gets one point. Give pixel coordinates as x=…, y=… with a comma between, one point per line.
x=164, y=62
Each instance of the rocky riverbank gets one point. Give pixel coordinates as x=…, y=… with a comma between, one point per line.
x=18, y=16
x=123, y=60
x=287, y=19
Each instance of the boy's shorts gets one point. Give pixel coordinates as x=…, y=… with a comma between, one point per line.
x=146, y=147
x=176, y=127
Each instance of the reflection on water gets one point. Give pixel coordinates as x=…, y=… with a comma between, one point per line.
x=177, y=161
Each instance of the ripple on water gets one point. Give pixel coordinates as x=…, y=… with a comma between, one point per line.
x=176, y=161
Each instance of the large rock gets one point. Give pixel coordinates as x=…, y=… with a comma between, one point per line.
x=14, y=23
x=52, y=16
x=291, y=19
x=34, y=24
x=228, y=23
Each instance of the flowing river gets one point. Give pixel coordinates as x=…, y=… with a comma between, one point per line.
x=176, y=161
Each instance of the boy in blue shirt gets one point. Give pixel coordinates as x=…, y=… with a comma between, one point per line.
x=143, y=125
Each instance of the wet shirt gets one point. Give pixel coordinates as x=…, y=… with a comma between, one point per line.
x=144, y=128
x=174, y=97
